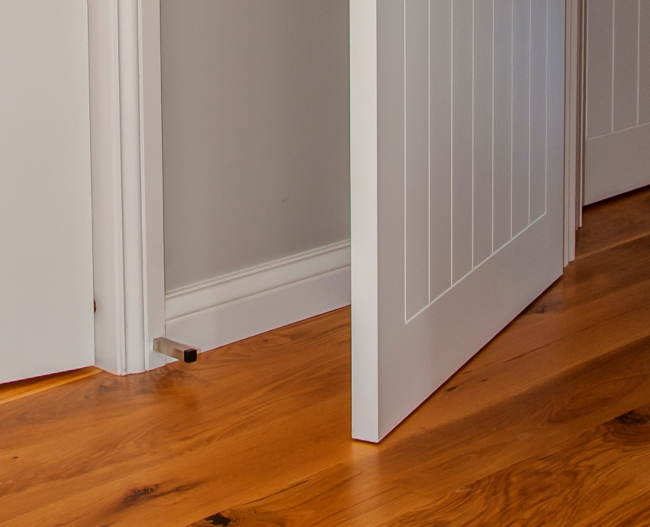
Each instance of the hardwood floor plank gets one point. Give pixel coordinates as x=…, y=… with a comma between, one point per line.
x=434, y=462
x=19, y=389
x=581, y=482
x=614, y=221
x=337, y=496
x=258, y=432
x=184, y=424
x=453, y=405
x=627, y=513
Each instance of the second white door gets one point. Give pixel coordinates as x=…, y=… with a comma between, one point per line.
x=457, y=178
x=617, y=149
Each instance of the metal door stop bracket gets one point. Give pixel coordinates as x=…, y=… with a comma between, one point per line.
x=176, y=350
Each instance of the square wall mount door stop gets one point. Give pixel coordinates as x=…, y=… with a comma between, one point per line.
x=176, y=350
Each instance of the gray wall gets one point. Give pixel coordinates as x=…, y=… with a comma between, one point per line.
x=256, y=132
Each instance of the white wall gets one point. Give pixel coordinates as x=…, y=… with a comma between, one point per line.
x=255, y=98
x=256, y=132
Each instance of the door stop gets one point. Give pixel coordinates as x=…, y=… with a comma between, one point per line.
x=176, y=350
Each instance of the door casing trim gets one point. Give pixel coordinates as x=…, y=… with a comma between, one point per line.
x=127, y=183
x=574, y=123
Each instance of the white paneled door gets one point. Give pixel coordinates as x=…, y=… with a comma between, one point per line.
x=457, y=178
x=46, y=280
x=617, y=149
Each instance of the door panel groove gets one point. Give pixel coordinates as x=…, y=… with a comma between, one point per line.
x=462, y=141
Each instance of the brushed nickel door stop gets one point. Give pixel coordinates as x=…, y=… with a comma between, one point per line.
x=176, y=350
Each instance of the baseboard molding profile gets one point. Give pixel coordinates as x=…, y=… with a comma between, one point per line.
x=245, y=303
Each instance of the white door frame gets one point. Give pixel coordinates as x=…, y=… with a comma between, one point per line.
x=127, y=174
x=127, y=183
x=574, y=140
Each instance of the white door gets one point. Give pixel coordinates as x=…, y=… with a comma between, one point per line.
x=46, y=289
x=617, y=149
x=457, y=177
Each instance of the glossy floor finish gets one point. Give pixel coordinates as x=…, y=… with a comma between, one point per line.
x=548, y=425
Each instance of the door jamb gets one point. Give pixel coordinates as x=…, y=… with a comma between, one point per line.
x=574, y=139
x=127, y=183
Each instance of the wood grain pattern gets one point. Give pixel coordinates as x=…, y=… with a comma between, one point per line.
x=589, y=480
x=441, y=459
x=614, y=221
x=548, y=425
x=16, y=390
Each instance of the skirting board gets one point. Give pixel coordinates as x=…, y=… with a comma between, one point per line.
x=242, y=304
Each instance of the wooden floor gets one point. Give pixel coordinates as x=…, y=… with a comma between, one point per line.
x=548, y=426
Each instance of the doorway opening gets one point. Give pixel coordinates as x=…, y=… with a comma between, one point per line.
x=607, y=105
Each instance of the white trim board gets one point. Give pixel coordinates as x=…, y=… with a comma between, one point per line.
x=245, y=303
x=574, y=123
x=127, y=183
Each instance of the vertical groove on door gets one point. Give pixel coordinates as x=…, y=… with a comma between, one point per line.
x=429, y=147
x=537, y=195
x=599, y=65
x=638, y=63
x=521, y=165
x=462, y=138
x=483, y=96
x=502, y=122
x=613, y=66
x=416, y=144
x=625, y=64
x=644, y=62
x=440, y=145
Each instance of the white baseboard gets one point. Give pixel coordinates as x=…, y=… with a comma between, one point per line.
x=245, y=303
